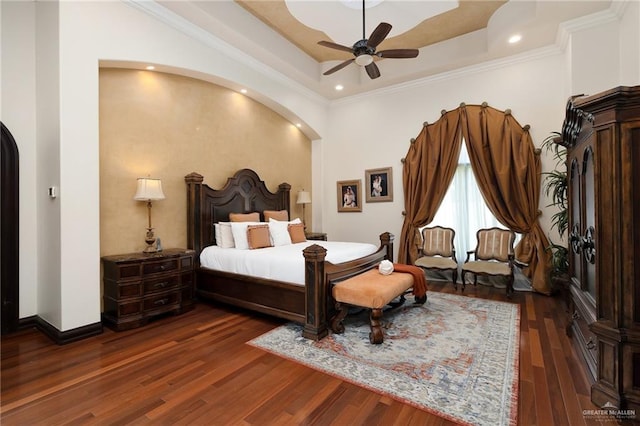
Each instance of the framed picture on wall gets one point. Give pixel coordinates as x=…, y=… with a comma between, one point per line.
x=379, y=184
x=349, y=196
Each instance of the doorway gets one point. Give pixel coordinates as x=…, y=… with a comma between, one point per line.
x=9, y=233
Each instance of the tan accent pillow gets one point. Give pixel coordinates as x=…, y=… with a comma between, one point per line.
x=281, y=215
x=296, y=232
x=258, y=236
x=244, y=217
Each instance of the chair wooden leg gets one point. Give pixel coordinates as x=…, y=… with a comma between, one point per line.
x=510, y=280
x=336, y=322
x=464, y=281
x=375, y=336
x=455, y=279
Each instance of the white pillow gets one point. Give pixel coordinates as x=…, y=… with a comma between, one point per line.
x=239, y=231
x=216, y=230
x=224, y=236
x=279, y=231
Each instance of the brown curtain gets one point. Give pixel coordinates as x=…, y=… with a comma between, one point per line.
x=507, y=168
x=428, y=170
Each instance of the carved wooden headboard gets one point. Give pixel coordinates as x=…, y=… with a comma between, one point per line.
x=243, y=193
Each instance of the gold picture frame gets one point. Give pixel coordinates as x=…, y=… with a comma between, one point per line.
x=379, y=184
x=349, y=195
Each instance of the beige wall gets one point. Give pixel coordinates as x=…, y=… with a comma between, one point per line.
x=167, y=126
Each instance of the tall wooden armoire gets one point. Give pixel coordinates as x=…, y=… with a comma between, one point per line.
x=602, y=135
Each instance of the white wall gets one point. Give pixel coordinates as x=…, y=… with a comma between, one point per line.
x=374, y=131
x=58, y=133
x=629, y=49
x=18, y=113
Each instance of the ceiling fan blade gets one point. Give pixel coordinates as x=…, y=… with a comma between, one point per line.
x=338, y=67
x=335, y=46
x=398, y=53
x=373, y=70
x=378, y=34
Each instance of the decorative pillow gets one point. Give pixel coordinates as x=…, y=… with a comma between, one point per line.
x=244, y=217
x=258, y=236
x=279, y=232
x=239, y=231
x=281, y=215
x=224, y=236
x=296, y=232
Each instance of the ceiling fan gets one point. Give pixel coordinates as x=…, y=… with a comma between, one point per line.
x=364, y=50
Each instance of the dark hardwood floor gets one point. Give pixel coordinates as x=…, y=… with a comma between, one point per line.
x=196, y=369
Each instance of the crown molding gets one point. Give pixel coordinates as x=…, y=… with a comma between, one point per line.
x=181, y=24
x=565, y=29
x=490, y=65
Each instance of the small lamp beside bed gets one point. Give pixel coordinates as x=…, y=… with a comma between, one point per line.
x=149, y=190
x=304, y=197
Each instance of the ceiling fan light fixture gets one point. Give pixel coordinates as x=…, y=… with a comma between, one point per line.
x=364, y=60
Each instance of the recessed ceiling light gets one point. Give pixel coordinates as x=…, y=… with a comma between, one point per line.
x=243, y=90
x=515, y=38
x=339, y=87
x=151, y=67
x=298, y=125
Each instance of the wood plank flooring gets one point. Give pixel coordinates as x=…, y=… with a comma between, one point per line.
x=195, y=369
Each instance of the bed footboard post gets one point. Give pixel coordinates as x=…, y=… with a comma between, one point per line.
x=386, y=240
x=316, y=287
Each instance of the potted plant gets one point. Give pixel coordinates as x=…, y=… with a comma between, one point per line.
x=555, y=187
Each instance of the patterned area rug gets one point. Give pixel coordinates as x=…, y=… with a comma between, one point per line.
x=455, y=356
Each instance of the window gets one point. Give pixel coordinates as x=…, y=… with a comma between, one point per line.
x=464, y=209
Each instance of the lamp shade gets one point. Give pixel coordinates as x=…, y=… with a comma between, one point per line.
x=149, y=189
x=303, y=197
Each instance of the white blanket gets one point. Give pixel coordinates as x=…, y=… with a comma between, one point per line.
x=283, y=263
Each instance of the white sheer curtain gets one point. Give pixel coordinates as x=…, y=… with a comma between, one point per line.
x=463, y=208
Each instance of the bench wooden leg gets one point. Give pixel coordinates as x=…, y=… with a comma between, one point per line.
x=336, y=321
x=376, y=337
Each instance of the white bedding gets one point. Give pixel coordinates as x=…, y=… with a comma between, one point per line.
x=283, y=263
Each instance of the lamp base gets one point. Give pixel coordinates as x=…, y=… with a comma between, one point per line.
x=150, y=249
x=150, y=239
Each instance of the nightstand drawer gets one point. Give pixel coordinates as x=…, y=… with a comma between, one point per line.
x=129, y=308
x=161, y=284
x=163, y=266
x=133, y=289
x=163, y=302
x=318, y=236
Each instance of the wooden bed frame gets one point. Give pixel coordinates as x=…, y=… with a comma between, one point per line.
x=310, y=305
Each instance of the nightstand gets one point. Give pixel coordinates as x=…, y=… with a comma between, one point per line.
x=318, y=236
x=140, y=286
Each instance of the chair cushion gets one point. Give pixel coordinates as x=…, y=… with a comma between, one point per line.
x=436, y=263
x=488, y=268
x=372, y=289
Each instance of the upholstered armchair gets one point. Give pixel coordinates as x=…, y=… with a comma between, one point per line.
x=493, y=256
x=437, y=251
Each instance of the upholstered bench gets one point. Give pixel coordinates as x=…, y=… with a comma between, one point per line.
x=370, y=290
